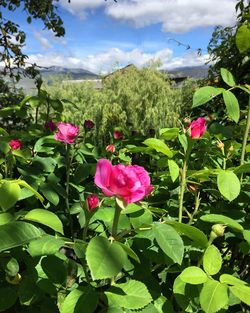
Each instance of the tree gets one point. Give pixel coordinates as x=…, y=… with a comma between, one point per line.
x=223, y=50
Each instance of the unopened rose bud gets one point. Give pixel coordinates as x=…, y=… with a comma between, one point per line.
x=92, y=202
x=110, y=148
x=219, y=229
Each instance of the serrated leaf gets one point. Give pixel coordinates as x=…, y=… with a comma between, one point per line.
x=212, y=260
x=132, y=295
x=129, y=252
x=227, y=77
x=169, y=241
x=228, y=184
x=232, y=105
x=241, y=292
x=213, y=296
x=221, y=219
x=173, y=169
x=15, y=234
x=193, y=275
x=77, y=299
x=159, y=146
x=46, y=218
x=105, y=258
x=205, y=94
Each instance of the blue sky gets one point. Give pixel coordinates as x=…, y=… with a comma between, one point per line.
x=103, y=35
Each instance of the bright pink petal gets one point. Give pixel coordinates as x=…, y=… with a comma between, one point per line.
x=102, y=176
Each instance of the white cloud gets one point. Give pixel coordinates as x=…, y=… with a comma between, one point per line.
x=106, y=61
x=44, y=42
x=79, y=7
x=174, y=15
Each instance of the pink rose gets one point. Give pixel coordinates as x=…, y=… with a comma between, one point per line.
x=129, y=182
x=50, y=125
x=88, y=124
x=92, y=202
x=15, y=144
x=117, y=134
x=197, y=128
x=66, y=132
x=110, y=148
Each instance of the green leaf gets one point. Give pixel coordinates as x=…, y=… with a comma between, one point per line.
x=10, y=265
x=15, y=234
x=49, y=193
x=241, y=292
x=159, y=146
x=173, y=169
x=213, y=296
x=6, y=218
x=205, y=94
x=45, y=245
x=169, y=241
x=9, y=194
x=193, y=233
x=26, y=185
x=246, y=235
x=46, y=218
x=242, y=38
x=212, y=260
x=54, y=268
x=232, y=105
x=227, y=77
x=8, y=298
x=129, y=252
x=132, y=295
x=131, y=208
x=77, y=299
x=228, y=184
x=193, y=275
x=183, y=141
x=231, y=280
x=105, y=258
x=221, y=219
x=169, y=133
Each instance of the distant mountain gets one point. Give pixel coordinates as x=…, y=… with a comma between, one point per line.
x=189, y=71
x=74, y=73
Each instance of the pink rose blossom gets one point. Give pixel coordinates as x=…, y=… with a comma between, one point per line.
x=15, y=144
x=88, y=124
x=117, y=134
x=50, y=125
x=92, y=202
x=110, y=148
x=66, y=132
x=128, y=182
x=197, y=128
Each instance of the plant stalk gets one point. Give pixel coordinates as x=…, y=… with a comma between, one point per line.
x=116, y=220
x=68, y=163
x=244, y=143
x=183, y=182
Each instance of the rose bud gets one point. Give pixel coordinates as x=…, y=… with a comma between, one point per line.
x=110, y=148
x=15, y=144
x=197, y=128
x=50, y=125
x=117, y=134
x=88, y=124
x=92, y=202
